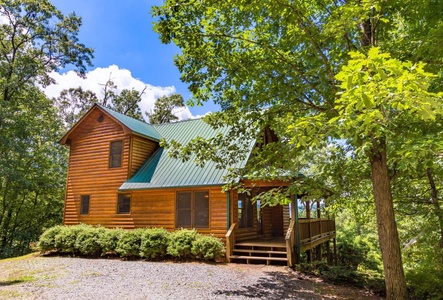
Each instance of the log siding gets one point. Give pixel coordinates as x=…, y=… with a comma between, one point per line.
x=89, y=172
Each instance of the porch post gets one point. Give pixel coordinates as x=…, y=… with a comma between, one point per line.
x=297, y=226
x=335, y=252
x=228, y=209
x=328, y=252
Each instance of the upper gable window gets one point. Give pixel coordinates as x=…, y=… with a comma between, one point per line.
x=84, y=204
x=115, y=154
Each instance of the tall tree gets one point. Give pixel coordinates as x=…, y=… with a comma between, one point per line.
x=164, y=109
x=73, y=103
x=32, y=170
x=35, y=39
x=284, y=56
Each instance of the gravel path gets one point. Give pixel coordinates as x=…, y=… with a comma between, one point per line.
x=77, y=278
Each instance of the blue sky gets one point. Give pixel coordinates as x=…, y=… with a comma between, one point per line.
x=121, y=34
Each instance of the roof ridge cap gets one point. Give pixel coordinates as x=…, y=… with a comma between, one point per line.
x=180, y=121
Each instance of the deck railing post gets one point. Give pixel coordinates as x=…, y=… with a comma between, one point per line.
x=230, y=241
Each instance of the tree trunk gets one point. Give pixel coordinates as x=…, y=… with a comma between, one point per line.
x=435, y=202
x=387, y=227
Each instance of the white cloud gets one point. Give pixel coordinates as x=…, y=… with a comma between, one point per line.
x=121, y=77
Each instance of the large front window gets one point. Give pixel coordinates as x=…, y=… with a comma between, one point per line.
x=192, y=209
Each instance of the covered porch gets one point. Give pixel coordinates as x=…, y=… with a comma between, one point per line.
x=277, y=235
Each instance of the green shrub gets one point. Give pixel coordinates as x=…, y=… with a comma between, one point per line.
x=180, y=243
x=129, y=242
x=154, y=243
x=346, y=275
x=426, y=284
x=65, y=239
x=208, y=248
x=108, y=240
x=87, y=241
x=151, y=243
x=47, y=239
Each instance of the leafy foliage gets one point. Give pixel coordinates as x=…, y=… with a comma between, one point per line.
x=36, y=39
x=330, y=78
x=149, y=243
x=88, y=241
x=128, y=244
x=180, y=243
x=75, y=102
x=65, y=240
x=164, y=109
x=108, y=240
x=207, y=248
x=154, y=243
x=345, y=275
x=47, y=239
x=32, y=170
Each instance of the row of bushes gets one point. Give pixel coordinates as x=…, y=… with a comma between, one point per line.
x=147, y=243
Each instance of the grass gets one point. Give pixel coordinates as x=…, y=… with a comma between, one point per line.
x=23, y=257
x=12, y=274
x=11, y=280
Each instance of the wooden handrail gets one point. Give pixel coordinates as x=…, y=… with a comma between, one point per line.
x=289, y=238
x=230, y=241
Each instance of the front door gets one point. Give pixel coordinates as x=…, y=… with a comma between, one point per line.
x=277, y=220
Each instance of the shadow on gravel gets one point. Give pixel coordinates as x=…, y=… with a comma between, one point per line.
x=11, y=282
x=275, y=286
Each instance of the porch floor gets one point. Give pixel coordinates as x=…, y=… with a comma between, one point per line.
x=263, y=242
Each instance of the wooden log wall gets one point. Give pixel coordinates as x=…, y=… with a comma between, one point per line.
x=156, y=208
x=286, y=218
x=89, y=172
x=141, y=149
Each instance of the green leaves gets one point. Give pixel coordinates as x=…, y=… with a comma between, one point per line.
x=164, y=109
x=380, y=94
x=36, y=39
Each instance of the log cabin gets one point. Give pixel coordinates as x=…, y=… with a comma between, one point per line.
x=120, y=176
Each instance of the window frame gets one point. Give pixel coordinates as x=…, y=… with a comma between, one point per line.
x=82, y=205
x=193, y=210
x=111, y=155
x=122, y=197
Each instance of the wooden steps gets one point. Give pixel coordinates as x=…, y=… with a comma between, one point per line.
x=258, y=252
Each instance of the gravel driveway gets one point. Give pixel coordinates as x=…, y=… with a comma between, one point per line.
x=78, y=278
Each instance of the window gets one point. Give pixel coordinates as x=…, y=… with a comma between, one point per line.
x=245, y=211
x=124, y=204
x=84, y=205
x=192, y=209
x=115, y=154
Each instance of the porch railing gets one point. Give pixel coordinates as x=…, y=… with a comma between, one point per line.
x=230, y=241
x=312, y=230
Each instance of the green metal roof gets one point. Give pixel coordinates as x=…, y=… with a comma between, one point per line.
x=162, y=171
x=134, y=125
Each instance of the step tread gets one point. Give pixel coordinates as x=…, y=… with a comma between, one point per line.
x=252, y=244
x=258, y=257
x=259, y=251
